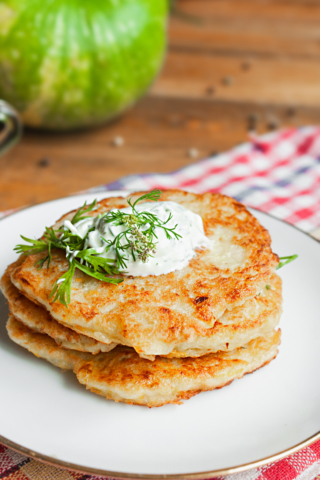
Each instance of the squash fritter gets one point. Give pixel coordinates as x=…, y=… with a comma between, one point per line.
x=37, y=318
x=154, y=313
x=123, y=376
x=255, y=318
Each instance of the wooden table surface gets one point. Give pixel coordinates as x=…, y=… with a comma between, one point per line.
x=231, y=66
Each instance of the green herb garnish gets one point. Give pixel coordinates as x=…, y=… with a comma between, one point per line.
x=140, y=233
x=285, y=260
x=138, y=238
x=80, y=215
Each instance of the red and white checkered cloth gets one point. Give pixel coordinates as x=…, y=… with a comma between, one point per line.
x=278, y=173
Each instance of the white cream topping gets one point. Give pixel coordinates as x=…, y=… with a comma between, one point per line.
x=170, y=255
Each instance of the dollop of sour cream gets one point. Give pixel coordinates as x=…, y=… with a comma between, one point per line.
x=170, y=254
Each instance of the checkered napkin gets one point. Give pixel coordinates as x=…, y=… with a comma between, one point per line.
x=278, y=173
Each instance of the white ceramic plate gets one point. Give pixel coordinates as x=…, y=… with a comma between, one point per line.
x=275, y=411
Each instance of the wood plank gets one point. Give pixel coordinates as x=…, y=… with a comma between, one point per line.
x=253, y=10
x=248, y=27
x=158, y=134
x=190, y=106
x=269, y=80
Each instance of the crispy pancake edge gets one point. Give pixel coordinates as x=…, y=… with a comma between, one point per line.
x=197, y=295
x=37, y=318
x=255, y=318
x=121, y=375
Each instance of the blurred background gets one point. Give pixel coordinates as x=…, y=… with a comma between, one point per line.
x=231, y=67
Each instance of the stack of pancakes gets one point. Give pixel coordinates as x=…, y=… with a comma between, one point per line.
x=158, y=339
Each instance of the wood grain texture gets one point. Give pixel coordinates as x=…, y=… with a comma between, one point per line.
x=257, y=28
x=232, y=65
x=269, y=80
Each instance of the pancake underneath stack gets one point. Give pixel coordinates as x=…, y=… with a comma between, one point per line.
x=158, y=339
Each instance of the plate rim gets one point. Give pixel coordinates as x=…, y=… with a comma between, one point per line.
x=145, y=476
x=179, y=476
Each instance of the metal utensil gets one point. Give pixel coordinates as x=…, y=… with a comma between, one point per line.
x=10, y=127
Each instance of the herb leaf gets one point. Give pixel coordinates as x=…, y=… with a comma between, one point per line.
x=98, y=264
x=36, y=246
x=96, y=274
x=285, y=260
x=62, y=288
x=138, y=237
x=80, y=214
x=153, y=195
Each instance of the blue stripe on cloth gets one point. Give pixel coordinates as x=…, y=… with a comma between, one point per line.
x=240, y=197
x=122, y=182
x=248, y=191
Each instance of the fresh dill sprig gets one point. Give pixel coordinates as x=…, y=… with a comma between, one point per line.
x=138, y=238
x=80, y=214
x=285, y=260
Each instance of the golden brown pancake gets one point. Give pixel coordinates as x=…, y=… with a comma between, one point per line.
x=154, y=313
x=42, y=346
x=38, y=318
x=123, y=376
x=255, y=318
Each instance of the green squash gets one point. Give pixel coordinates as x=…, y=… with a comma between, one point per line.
x=67, y=64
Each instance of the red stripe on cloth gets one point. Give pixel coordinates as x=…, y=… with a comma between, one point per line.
x=227, y=183
x=275, y=162
x=302, y=460
x=307, y=144
x=309, y=191
x=193, y=181
x=243, y=159
x=209, y=171
x=280, y=470
x=274, y=202
x=315, y=447
x=266, y=144
x=301, y=214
